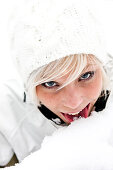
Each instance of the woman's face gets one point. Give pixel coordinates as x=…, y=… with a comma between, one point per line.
x=74, y=100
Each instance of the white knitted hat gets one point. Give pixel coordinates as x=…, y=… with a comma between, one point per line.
x=46, y=30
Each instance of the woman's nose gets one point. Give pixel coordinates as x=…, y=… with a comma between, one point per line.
x=72, y=97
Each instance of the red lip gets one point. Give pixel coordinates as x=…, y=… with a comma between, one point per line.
x=83, y=113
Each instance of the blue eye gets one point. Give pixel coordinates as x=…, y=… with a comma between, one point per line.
x=49, y=84
x=87, y=75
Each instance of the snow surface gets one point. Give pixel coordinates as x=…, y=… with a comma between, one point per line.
x=86, y=144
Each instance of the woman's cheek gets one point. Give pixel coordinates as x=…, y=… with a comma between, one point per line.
x=94, y=89
x=47, y=99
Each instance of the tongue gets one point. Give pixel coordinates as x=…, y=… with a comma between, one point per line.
x=69, y=117
x=84, y=112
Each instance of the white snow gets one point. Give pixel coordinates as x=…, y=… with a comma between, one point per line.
x=86, y=144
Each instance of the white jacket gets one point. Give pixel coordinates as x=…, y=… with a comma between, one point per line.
x=22, y=126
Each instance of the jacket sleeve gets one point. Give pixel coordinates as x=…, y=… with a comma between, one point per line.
x=7, y=121
x=6, y=151
x=22, y=126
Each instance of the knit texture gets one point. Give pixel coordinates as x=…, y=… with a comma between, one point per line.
x=46, y=30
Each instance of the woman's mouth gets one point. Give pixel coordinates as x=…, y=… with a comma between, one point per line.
x=70, y=117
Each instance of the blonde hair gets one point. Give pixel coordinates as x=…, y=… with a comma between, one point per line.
x=73, y=64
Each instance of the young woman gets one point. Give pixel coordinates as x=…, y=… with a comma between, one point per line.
x=75, y=84
x=61, y=59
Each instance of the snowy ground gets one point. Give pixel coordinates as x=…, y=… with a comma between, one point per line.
x=86, y=144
